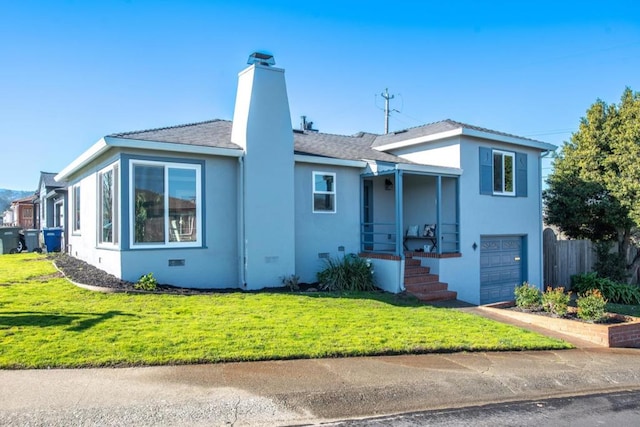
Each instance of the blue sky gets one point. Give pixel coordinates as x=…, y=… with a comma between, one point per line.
x=74, y=71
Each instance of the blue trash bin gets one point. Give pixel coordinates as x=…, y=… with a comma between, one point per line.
x=53, y=239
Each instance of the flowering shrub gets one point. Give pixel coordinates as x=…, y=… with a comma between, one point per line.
x=591, y=305
x=528, y=297
x=350, y=273
x=555, y=301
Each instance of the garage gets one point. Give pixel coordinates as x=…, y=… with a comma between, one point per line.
x=501, y=267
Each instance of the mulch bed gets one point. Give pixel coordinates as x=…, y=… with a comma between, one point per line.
x=84, y=273
x=572, y=314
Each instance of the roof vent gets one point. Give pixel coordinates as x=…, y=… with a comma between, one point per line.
x=261, y=58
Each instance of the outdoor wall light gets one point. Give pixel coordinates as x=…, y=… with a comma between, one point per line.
x=474, y=246
x=388, y=185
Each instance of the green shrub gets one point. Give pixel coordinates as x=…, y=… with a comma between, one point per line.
x=292, y=282
x=147, y=283
x=610, y=264
x=528, y=296
x=555, y=301
x=350, y=273
x=591, y=305
x=618, y=293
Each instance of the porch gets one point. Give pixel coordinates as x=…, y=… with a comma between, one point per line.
x=410, y=225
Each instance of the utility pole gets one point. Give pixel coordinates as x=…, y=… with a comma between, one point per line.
x=387, y=98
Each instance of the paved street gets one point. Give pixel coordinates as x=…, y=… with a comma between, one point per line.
x=307, y=391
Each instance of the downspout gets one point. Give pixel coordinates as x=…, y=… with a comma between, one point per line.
x=399, y=227
x=242, y=257
x=543, y=154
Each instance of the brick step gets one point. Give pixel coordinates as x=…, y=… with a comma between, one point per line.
x=437, y=296
x=411, y=262
x=424, y=288
x=422, y=278
x=415, y=270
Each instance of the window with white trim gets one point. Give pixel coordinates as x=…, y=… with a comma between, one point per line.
x=324, y=192
x=166, y=204
x=504, y=181
x=75, y=208
x=108, y=205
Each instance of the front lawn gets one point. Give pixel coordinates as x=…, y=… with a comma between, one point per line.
x=47, y=322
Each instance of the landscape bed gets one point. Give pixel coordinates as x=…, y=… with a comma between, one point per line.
x=625, y=332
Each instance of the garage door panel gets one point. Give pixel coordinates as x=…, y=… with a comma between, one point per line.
x=500, y=267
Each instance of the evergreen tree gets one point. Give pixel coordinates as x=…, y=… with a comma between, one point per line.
x=594, y=188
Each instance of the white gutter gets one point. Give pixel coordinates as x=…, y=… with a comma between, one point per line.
x=109, y=142
x=302, y=158
x=242, y=256
x=541, y=248
x=440, y=170
x=420, y=140
x=93, y=152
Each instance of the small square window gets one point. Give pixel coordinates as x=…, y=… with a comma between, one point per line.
x=324, y=192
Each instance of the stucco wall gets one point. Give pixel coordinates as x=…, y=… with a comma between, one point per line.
x=493, y=215
x=215, y=265
x=324, y=233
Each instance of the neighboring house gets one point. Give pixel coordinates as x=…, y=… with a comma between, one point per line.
x=23, y=214
x=241, y=204
x=7, y=217
x=50, y=202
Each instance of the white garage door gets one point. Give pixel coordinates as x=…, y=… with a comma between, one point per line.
x=500, y=267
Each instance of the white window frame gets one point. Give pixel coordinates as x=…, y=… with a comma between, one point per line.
x=115, y=194
x=334, y=193
x=76, y=209
x=167, y=243
x=504, y=154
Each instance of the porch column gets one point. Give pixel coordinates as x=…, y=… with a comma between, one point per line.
x=438, y=214
x=399, y=212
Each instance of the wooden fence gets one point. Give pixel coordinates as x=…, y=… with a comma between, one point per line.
x=564, y=258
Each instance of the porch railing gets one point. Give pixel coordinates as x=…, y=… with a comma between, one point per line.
x=378, y=237
x=382, y=237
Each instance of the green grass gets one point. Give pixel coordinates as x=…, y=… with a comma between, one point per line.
x=629, y=310
x=47, y=322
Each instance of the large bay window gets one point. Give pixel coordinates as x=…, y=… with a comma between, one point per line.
x=165, y=204
x=75, y=212
x=108, y=205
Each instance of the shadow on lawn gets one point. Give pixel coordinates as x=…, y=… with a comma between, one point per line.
x=77, y=322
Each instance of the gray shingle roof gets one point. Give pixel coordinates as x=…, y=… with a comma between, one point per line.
x=48, y=179
x=217, y=133
x=356, y=147
x=435, y=128
x=212, y=133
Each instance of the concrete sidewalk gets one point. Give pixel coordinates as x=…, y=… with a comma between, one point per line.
x=306, y=391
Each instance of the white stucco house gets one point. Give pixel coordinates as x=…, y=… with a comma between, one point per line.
x=241, y=203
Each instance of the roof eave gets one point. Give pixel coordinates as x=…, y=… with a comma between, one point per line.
x=420, y=140
x=85, y=158
x=543, y=146
x=108, y=142
x=320, y=160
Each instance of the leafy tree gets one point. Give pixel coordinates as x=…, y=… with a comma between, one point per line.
x=594, y=189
